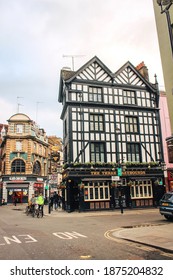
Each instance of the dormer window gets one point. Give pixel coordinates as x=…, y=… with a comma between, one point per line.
x=19, y=128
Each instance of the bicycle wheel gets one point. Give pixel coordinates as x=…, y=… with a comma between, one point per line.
x=27, y=211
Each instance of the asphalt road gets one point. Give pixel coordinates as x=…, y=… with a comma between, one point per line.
x=75, y=236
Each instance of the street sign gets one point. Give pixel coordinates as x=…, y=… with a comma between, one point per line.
x=119, y=171
x=115, y=178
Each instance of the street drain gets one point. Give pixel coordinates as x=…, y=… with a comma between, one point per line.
x=17, y=209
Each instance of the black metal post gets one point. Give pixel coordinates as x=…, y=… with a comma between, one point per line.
x=166, y=11
x=49, y=201
x=169, y=29
x=121, y=202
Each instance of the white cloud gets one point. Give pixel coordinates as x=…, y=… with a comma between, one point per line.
x=36, y=33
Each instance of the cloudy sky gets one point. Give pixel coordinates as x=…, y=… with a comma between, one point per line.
x=36, y=34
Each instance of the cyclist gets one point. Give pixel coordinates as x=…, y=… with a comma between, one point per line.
x=40, y=202
x=32, y=203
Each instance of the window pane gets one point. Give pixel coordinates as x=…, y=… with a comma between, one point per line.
x=96, y=193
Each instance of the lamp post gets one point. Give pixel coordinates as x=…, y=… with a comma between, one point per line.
x=165, y=6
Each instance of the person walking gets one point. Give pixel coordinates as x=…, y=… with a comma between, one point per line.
x=55, y=200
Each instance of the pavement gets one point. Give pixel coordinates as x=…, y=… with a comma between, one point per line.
x=158, y=235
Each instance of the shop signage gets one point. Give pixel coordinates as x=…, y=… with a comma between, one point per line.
x=103, y=173
x=115, y=178
x=40, y=179
x=17, y=178
x=134, y=173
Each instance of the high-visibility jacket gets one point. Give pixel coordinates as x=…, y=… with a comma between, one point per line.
x=40, y=200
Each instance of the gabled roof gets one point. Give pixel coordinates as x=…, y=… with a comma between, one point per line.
x=93, y=70
x=96, y=70
x=129, y=75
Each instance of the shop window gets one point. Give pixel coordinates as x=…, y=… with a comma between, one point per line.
x=142, y=190
x=96, y=192
x=18, y=166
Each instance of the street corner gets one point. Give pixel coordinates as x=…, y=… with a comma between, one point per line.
x=154, y=235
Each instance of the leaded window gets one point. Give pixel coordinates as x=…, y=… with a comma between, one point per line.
x=131, y=124
x=96, y=122
x=129, y=97
x=95, y=94
x=133, y=152
x=97, y=152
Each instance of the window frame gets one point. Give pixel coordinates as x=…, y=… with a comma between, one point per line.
x=19, y=128
x=131, y=124
x=95, y=94
x=18, y=166
x=97, y=152
x=141, y=189
x=132, y=154
x=97, y=123
x=128, y=99
x=96, y=192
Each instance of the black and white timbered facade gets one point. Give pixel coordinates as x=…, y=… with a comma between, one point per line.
x=110, y=121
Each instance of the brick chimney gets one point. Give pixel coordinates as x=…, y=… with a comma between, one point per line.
x=143, y=70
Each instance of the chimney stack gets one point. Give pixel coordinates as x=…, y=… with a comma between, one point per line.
x=143, y=70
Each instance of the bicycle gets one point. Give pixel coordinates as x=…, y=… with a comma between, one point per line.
x=39, y=211
x=30, y=210
x=27, y=210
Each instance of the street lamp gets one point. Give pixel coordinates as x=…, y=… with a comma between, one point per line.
x=165, y=6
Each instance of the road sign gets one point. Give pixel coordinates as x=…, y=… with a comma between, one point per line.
x=115, y=178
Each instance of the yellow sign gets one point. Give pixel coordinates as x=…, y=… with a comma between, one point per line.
x=134, y=173
x=55, y=148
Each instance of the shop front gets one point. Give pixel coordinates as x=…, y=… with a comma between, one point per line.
x=101, y=189
x=19, y=189
x=15, y=189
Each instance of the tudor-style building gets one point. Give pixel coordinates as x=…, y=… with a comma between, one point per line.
x=110, y=120
x=24, y=154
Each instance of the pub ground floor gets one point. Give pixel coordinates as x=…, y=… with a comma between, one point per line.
x=102, y=189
